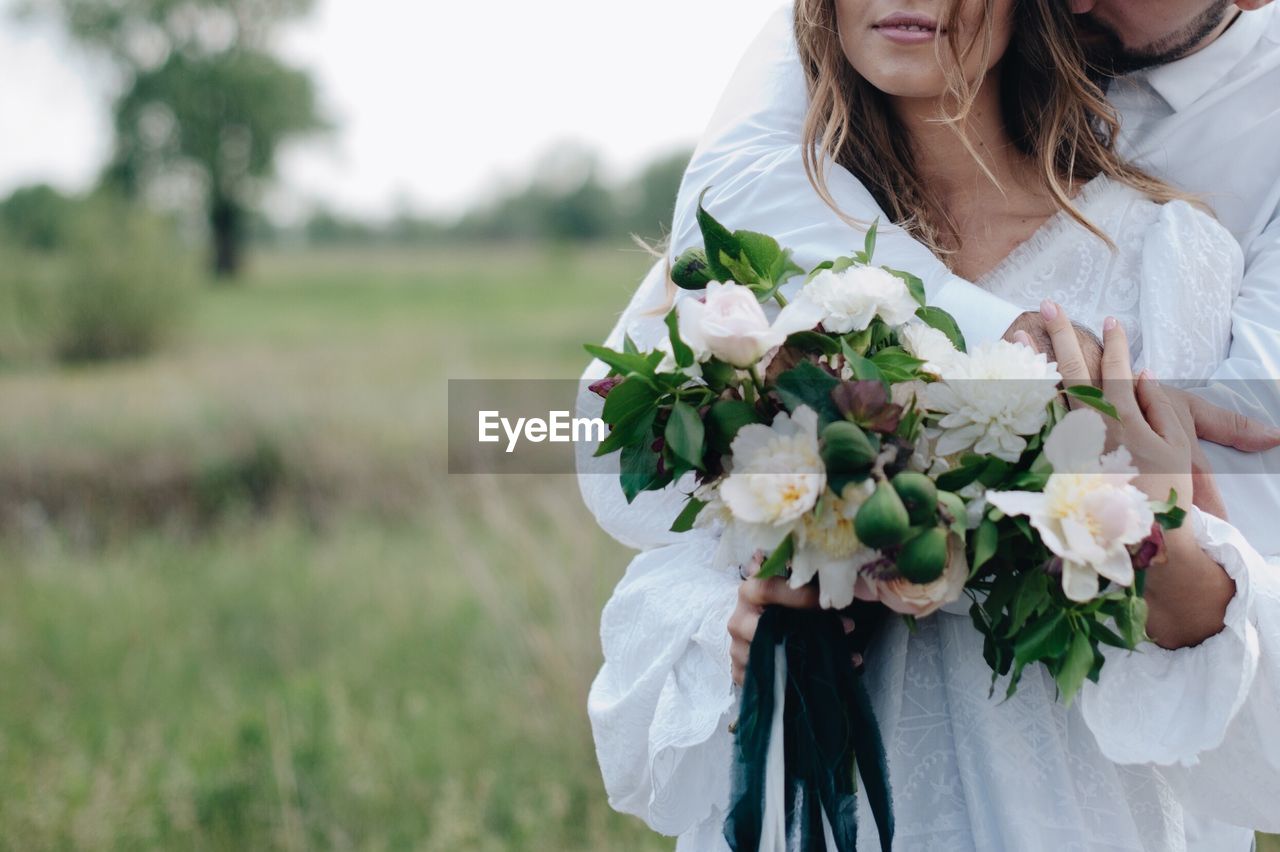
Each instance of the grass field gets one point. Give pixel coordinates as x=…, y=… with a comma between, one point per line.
x=242, y=605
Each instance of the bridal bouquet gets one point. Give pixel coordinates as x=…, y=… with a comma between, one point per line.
x=855, y=442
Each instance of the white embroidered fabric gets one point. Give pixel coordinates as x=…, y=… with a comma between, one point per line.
x=1163, y=735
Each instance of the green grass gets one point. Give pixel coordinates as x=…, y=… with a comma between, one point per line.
x=375, y=656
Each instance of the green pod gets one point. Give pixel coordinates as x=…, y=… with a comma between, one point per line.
x=923, y=558
x=847, y=454
x=919, y=495
x=882, y=521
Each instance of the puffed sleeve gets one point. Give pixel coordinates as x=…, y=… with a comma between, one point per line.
x=1207, y=714
x=662, y=702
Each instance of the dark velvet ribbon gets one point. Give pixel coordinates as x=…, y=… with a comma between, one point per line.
x=828, y=729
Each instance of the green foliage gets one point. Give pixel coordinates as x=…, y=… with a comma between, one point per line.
x=117, y=288
x=37, y=217
x=1092, y=397
x=125, y=287
x=203, y=95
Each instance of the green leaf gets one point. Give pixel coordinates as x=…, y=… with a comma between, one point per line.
x=807, y=384
x=634, y=431
x=1028, y=481
x=1106, y=635
x=717, y=374
x=986, y=538
x=639, y=469
x=1093, y=398
x=1033, y=592
x=718, y=242
x=689, y=514
x=776, y=564
x=629, y=399
x=864, y=369
x=869, y=244
x=624, y=363
x=895, y=365
x=683, y=354
x=784, y=268
x=812, y=341
x=914, y=285
x=1131, y=619
x=740, y=272
x=761, y=252
x=971, y=467
x=1169, y=514
x=691, y=270
x=684, y=434
x=1046, y=638
x=1076, y=666
x=943, y=322
x=725, y=419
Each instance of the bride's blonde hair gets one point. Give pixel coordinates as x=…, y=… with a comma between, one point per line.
x=1052, y=103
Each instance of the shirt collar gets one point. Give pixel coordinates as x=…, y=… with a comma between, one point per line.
x=1184, y=81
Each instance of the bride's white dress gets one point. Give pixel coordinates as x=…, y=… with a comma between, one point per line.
x=1164, y=736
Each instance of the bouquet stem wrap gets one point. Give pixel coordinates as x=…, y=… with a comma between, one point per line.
x=805, y=723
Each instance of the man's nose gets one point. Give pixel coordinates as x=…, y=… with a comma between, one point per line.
x=1079, y=7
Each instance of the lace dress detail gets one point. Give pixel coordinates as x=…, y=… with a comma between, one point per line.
x=1165, y=734
x=1170, y=279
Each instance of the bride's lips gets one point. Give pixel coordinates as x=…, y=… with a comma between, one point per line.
x=907, y=28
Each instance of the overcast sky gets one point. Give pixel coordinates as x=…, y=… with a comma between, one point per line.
x=435, y=101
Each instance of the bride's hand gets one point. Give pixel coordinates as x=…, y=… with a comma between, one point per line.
x=1187, y=595
x=753, y=596
x=1149, y=427
x=1072, y=365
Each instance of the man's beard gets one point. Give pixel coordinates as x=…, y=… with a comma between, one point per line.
x=1106, y=48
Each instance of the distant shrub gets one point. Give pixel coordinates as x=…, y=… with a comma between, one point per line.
x=252, y=479
x=125, y=283
x=115, y=287
x=28, y=283
x=37, y=217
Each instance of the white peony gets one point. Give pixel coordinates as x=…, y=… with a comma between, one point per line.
x=778, y=473
x=732, y=326
x=925, y=342
x=991, y=398
x=848, y=301
x=1089, y=512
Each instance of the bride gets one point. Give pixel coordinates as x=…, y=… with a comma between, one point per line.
x=978, y=130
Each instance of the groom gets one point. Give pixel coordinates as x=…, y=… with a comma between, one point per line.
x=1199, y=102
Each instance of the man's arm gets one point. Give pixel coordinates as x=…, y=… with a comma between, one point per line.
x=750, y=155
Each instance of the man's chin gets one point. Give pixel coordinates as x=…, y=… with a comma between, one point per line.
x=1105, y=50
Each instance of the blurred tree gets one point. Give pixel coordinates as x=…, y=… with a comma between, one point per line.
x=202, y=97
